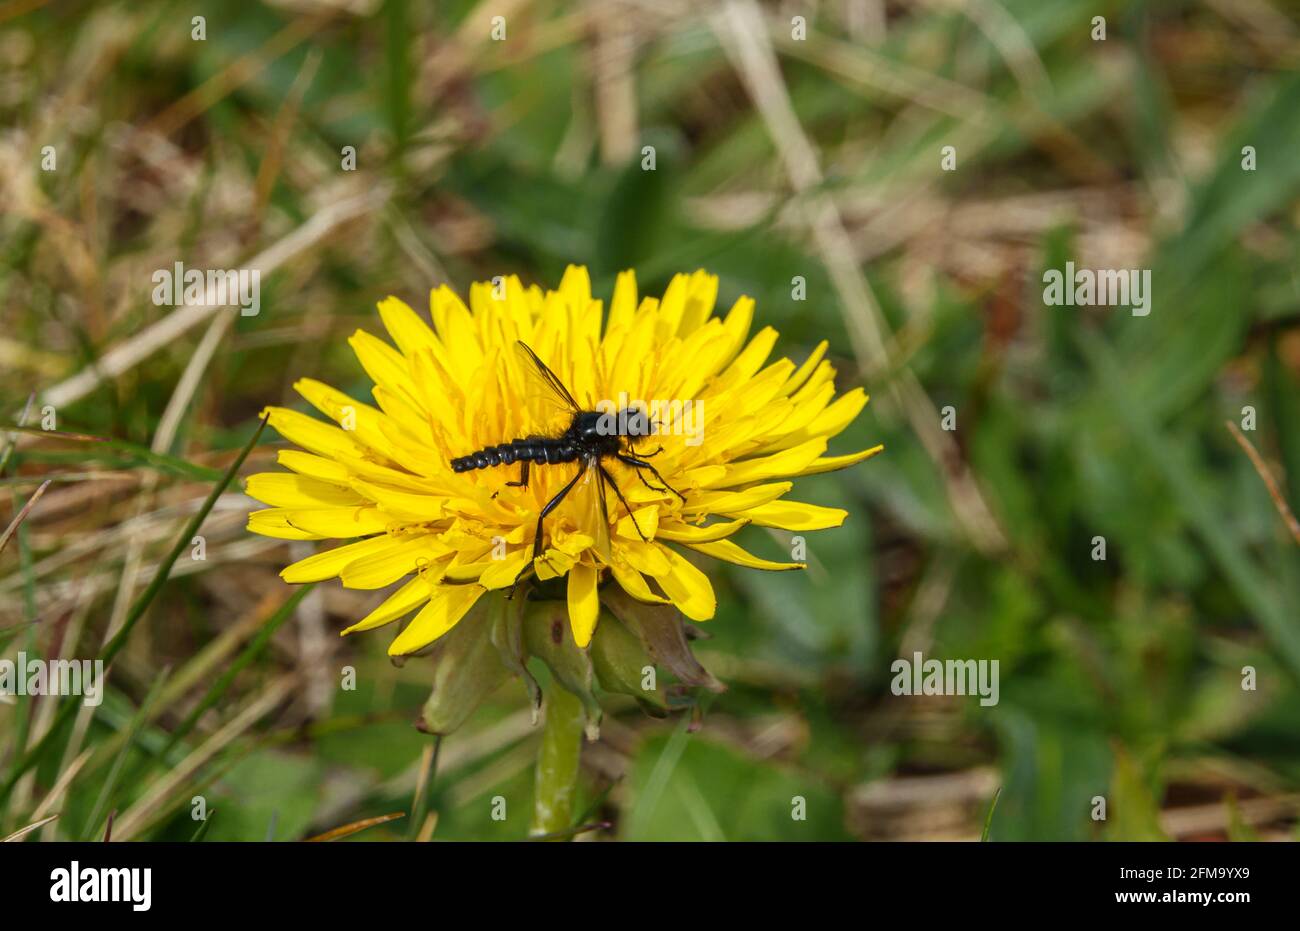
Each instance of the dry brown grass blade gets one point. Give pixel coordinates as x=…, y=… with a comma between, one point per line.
x=349, y=829
x=153, y=804
x=1214, y=817
x=269, y=170
x=61, y=786
x=428, y=760
x=1008, y=36
x=865, y=67
x=11, y=437
x=612, y=57
x=742, y=31
x=57, y=434
x=132, y=350
x=237, y=73
x=1274, y=492
x=22, y=515
x=23, y=832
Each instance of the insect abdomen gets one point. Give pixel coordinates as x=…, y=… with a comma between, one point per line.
x=540, y=451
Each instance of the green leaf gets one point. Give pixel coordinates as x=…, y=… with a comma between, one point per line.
x=690, y=788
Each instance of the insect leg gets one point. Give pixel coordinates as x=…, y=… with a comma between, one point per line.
x=647, y=483
x=604, y=474
x=551, y=506
x=523, y=475
x=657, y=450
x=604, y=505
x=640, y=464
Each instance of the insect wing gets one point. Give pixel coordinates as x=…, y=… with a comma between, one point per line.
x=546, y=405
x=596, y=510
x=539, y=375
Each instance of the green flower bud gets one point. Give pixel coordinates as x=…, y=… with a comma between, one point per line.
x=663, y=634
x=548, y=637
x=508, y=637
x=624, y=667
x=467, y=668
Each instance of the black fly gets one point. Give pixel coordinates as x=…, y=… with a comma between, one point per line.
x=591, y=437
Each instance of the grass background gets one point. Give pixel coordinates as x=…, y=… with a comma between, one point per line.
x=775, y=158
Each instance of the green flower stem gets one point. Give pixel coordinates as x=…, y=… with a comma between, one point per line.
x=557, y=761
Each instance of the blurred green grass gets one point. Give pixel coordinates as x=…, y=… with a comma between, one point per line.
x=1119, y=678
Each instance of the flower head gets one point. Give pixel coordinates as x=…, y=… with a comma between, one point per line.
x=730, y=429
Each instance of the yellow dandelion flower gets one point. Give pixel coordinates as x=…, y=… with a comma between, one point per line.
x=730, y=429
